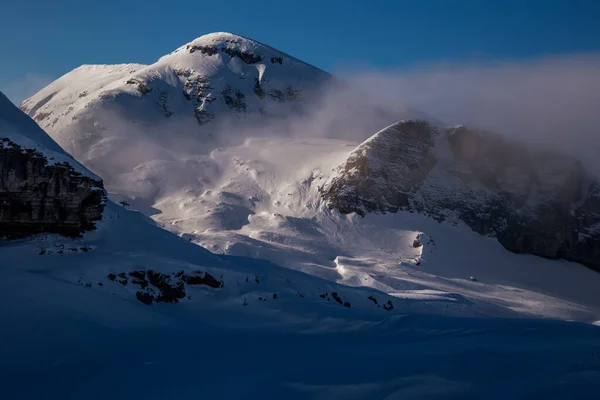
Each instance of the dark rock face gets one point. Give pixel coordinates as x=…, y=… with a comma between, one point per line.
x=533, y=201
x=234, y=99
x=36, y=197
x=380, y=173
x=231, y=51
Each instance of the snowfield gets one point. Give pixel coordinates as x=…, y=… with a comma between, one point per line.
x=77, y=334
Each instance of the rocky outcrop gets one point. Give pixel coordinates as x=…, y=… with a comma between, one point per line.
x=380, y=173
x=234, y=99
x=533, y=201
x=158, y=287
x=231, y=50
x=38, y=197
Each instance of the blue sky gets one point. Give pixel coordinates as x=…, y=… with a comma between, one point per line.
x=44, y=39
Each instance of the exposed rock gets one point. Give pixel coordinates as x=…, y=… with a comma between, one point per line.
x=202, y=279
x=286, y=94
x=234, y=98
x=37, y=197
x=388, y=306
x=337, y=298
x=144, y=297
x=258, y=90
x=203, y=116
x=123, y=280
x=162, y=104
x=533, y=201
x=208, y=50
x=381, y=172
x=139, y=278
x=163, y=288
x=248, y=58
x=142, y=86
x=170, y=292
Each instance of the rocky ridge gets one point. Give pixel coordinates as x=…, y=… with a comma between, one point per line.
x=532, y=200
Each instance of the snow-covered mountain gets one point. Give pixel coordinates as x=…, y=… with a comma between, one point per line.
x=294, y=300
x=100, y=113
x=208, y=79
x=262, y=195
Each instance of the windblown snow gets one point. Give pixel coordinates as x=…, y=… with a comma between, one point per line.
x=309, y=303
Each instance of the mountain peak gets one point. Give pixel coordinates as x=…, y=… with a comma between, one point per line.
x=222, y=38
x=229, y=45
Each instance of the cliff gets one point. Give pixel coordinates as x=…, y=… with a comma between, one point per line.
x=42, y=189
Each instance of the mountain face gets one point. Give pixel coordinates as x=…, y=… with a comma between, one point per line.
x=210, y=78
x=533, y=201
x=42, y=189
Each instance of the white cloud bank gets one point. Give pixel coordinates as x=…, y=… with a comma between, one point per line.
x=553, y=101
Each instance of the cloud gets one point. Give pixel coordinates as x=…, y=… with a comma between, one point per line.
x=28, y=85
x=551, y=101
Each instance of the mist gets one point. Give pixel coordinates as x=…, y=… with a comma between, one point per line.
x=552, y=101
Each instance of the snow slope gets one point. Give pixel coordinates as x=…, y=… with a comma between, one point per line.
x=77, y=334
x=141, y=352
